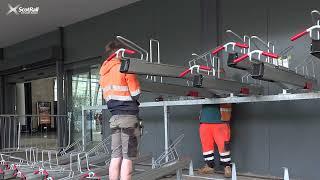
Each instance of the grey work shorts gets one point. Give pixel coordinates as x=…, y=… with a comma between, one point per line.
x=125, y=136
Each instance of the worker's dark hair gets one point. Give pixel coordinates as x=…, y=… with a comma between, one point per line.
x=113, y=46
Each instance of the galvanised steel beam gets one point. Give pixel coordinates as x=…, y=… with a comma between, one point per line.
x=234, y=99
x=272, y=73
x=173, y=89
x=140, y=67
x=235, y=87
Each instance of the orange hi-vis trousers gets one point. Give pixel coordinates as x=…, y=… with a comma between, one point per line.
x=219, y=134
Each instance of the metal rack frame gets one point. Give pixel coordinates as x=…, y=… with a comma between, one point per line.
x=272, y=73
x=166, y=106
x=146, y=68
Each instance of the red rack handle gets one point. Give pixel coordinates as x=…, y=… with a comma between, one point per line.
x=218, y=49
x=44, y=172
x=193, y=93
x=207, y=68
x=111, y=57
x=299, y=35
x=22, y=175
x=184, y=73
x=242, y=45
x=85, y=175
x=272, y=55
x=239, y=59
x=129, y=51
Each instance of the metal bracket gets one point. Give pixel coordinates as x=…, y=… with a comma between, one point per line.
x=315, y=48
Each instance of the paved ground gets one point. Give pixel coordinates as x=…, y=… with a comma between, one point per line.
x=216, y=176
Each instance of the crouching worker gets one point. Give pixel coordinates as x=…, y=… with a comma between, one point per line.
x=215, y=129
x=121, y=92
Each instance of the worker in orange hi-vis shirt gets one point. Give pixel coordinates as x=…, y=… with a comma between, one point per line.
x=121, y=92
x=215, y=129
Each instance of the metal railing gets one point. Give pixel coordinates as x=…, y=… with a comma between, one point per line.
x=26, y=131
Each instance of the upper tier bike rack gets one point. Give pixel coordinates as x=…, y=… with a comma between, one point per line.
x=154, y=82
x=206, y=68
x=313, y=32
x=264, y=64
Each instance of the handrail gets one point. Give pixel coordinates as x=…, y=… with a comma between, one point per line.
x=133, y=46
x=309, y=30
x=236, y=35
x=29, y=115
x=313, y=17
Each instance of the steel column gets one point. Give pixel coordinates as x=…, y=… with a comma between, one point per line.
x=61, y=108
x=83, y=120
x=166, y=128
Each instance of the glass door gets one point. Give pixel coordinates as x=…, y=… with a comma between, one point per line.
x=86, y=92
x=96, y=100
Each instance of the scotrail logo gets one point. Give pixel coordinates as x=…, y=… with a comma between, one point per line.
x=19, y=10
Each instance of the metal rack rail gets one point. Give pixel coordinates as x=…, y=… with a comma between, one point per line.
x=166, y=106
x=235, y=87
x=173, y=89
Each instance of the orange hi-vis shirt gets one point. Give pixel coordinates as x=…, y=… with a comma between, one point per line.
x=121, y=91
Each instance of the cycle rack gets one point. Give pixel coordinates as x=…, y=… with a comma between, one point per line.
x=221, y=86
x=153, y=81
x=266, y=65
x=206, y=72
x=314, y=34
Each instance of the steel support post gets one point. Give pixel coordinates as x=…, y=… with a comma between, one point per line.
x=166, y=128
